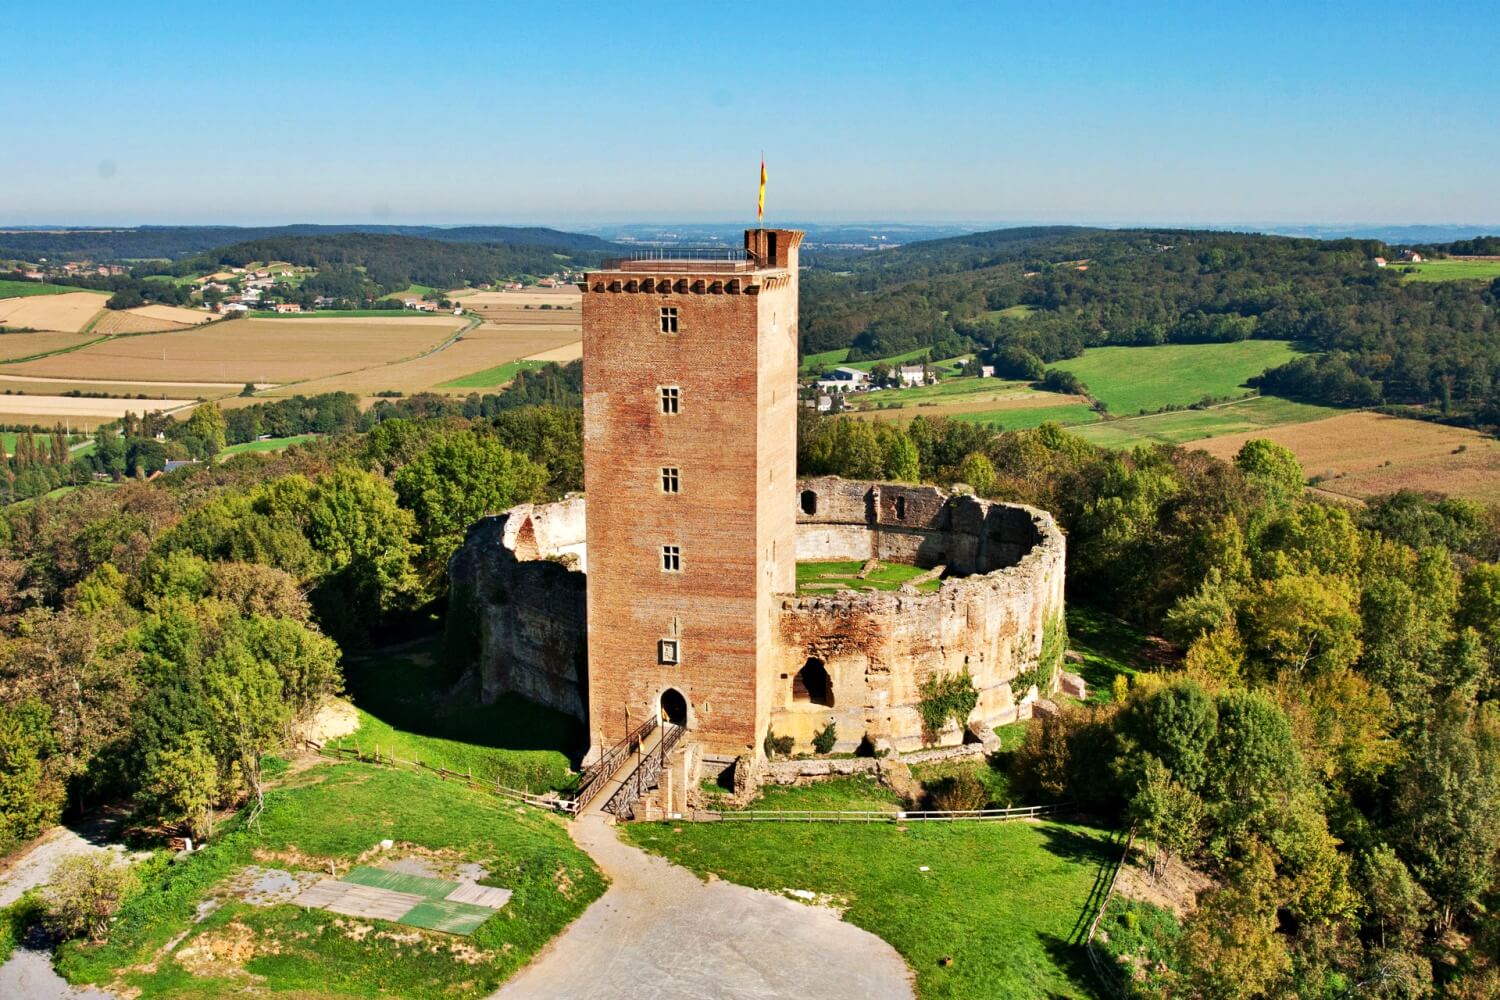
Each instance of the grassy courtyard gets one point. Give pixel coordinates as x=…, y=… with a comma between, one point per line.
x=831, y=577
x=1001, y=900
x=337, y=813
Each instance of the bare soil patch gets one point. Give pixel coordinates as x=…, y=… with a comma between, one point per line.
x=116, y=322
x=1367, y=454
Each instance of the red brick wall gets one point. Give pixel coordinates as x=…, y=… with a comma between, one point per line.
x=734, y=442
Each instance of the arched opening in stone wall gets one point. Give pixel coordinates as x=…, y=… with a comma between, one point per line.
x=674, y=707
x=811, y=684
x=809, y=502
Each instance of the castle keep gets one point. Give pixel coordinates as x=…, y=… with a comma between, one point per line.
x=668, y=591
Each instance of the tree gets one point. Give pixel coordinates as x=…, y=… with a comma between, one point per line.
x=1303, y=623
x=30, y=795
x=1273, y=470
x=206, y=423
x=1167, y=814
x=460, y=478
x=1174, y=726
x=1229, y=949
x=246, y=703
x=85, y=891
x=182, y=783
x=902, y=461
x=353, y=521
x=979, y=473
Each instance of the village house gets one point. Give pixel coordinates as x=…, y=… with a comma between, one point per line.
x=288, y=307
x=912, y=374
x=1380, y=262
x=844, y=379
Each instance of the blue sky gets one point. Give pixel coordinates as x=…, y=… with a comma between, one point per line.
x=568, y=115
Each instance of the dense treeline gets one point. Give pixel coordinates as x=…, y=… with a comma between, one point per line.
x=393, y=262
x=1424, y=343
x=128, y=291
x=173, y=242
x=1328, y=748
x=158, y=639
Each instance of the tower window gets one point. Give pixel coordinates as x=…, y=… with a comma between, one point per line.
x=671, y=559
x=811, y=684
x=670, y=398
x=809, y=502
x=901, y=508
x=670, y=479
x=667, y=652
x=668, y=319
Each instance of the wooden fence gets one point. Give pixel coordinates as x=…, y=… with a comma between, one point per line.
x=876, y=815
x=467, y=778
x=1104, y=970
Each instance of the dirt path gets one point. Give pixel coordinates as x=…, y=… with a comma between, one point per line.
x=659, y=932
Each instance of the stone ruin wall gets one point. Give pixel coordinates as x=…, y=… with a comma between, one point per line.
x=878, y=648
x=518, y=588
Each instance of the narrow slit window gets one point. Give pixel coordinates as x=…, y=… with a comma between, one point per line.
x=671, y=559
x=668, y=319
x=901, y=508
x=671, y=480
x=671, y=397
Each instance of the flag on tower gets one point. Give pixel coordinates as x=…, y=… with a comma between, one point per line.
x=760, y=205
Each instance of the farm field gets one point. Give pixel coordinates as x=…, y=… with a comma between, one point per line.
x=249, y=350
x=1451, y=270
x=1365, y=454
x=149, y=319
x=1025, y=418
x=1011, y=404
x=79, y=410
x=14, y=346
x=1181, y=426
x=270, y=444
x=1000, y=899
x=66, y=312
x=1130, y=380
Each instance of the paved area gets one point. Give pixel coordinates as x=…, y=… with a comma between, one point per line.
x=661, y=933
x=29, y=974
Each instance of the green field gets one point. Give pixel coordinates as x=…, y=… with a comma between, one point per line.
x=20, y=289
x=336, y=813
x=1142, y=379
x=407, y=707
x=886, y=576
x=491, y=378
x=414, y=290
x=1001, y=900
x=1180, y=426
x=1449, y=270
x=270, y=444
x=1027, y=418
x=1012, y=312
x=316, y=313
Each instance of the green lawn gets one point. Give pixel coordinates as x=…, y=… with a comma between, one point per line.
x=270, y=444
x=1013, y=312
x=1109, y=646
x=414, y=290
x=1181, y=426
x=815, y=364
x=1134, y=379
x=491, y=377
x=338, y=813
x=1450, y=270
x=887, y=576
x=407, y=707
x=1002, y=900
x=1028, y=417
x=948, y=390
x=10, y=289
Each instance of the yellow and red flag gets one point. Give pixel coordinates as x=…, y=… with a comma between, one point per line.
x=760, y=205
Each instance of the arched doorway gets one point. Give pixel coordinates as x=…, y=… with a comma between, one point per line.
x=674, y=707
x=812, y=685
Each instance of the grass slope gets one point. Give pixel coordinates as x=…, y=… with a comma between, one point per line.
x=1451, y=270
x=10, y=289
x=1026, y=418
x=1001, y=899
x=337, y=813
x=270, y=444
x=407, y=707
x=1181, y=426
x=491, y=377
x=1142, y=379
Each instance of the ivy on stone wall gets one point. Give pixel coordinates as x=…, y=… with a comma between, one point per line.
x=1048, y=661
x=944, y=697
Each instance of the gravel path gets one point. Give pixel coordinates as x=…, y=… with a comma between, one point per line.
x=659, y=932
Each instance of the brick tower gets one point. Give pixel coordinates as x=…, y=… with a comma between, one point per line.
x=690, y=416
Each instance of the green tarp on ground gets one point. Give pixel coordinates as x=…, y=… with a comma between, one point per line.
x=443, y=915
x=421, y=885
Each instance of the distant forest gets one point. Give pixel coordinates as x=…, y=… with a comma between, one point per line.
x=1383, y=340
x=175, y=242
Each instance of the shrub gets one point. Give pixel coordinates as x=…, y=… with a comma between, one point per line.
x=825, y=738
x=777, y=746
x=86, y=891
x=959, y=792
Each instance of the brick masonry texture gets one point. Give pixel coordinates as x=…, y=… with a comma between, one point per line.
x=525, y=570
